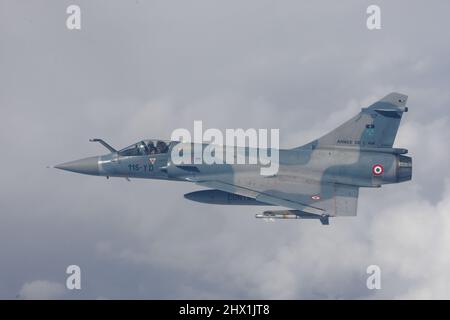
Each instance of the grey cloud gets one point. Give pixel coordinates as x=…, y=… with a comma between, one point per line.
x=142, y=69
x=42, y=289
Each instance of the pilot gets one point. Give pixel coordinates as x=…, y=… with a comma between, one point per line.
x=161, y=147
x=151, y=148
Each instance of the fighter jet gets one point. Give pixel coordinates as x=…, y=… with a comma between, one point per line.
x=318, y=180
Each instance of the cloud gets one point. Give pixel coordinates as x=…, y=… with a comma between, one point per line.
x=140, y=70
x=42, y=289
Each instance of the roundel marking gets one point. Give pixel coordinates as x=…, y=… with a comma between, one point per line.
x=377, y=169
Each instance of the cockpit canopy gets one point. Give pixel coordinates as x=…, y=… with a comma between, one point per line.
x=146, y=147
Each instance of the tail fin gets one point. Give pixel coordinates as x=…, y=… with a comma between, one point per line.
x=374, y=127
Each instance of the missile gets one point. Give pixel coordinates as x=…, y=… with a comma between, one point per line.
x=276, y=215
x=292, y=214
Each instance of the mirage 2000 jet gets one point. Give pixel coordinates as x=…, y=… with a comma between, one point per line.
x=318, y=180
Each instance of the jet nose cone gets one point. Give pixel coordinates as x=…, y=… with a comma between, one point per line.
x=86, y=166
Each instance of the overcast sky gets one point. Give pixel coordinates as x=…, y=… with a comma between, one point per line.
x=140, y=69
